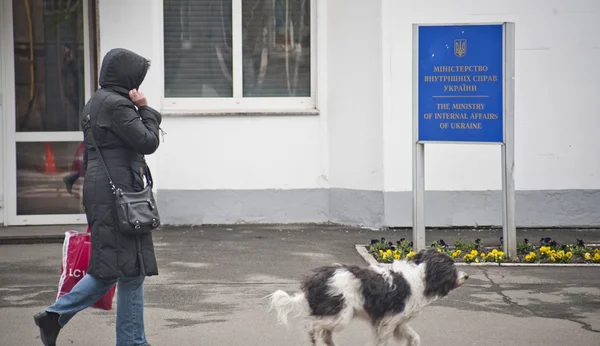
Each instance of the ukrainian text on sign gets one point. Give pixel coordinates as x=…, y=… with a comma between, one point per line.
x=460, y=83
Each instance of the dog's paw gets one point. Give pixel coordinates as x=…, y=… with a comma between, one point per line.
x=415, y=341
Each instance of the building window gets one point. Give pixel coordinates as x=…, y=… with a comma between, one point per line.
x=238, y=54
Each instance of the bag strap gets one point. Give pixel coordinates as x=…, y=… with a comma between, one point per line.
x=149, y=176
x=112, y=185
x=147, y=173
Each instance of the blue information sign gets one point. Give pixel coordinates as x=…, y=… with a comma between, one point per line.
x=460, y=83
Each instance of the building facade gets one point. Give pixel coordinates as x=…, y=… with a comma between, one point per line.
x=287, y=111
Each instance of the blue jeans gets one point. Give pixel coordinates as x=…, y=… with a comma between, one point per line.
x=130, y=305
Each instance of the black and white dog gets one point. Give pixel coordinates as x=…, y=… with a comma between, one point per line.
x=387, y=298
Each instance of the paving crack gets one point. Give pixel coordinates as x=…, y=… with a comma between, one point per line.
x=584, y=325
x=507, y=300
x=498, y=290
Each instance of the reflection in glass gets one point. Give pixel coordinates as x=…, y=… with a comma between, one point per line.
x=49, y=178
x=276, y=46
x=197, y=48
x=49, y=64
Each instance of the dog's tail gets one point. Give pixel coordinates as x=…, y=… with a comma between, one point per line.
x=284, y=304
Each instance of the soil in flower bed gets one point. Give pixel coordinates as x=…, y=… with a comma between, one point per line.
x=547, y=251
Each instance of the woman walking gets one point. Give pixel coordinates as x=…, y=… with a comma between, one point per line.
x=124, y=128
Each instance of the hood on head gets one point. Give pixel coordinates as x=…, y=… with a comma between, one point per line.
x=123, y=70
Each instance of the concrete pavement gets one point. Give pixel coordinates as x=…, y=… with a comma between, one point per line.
x=213, y=281
x=55, y=233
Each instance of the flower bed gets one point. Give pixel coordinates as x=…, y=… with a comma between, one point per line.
x=548, y=251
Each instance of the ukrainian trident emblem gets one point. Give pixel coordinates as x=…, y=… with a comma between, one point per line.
x=460, y=47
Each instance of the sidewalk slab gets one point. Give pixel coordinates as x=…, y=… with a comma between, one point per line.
x=213, y=281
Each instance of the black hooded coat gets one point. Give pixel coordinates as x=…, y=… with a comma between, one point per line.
x=124, y=134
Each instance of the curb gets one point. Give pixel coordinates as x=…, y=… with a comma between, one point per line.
x=32, y=239
x=364, y=253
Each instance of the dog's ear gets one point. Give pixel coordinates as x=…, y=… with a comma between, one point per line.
x=422, y=255
x=418, y=257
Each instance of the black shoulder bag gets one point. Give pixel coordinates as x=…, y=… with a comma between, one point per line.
x=136, y=211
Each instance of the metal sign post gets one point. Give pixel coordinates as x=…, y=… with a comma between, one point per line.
x=463, y=93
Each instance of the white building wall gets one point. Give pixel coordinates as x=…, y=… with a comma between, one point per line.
x=354, y=110
x=208, y=166
x=557, y=74
x=126, y=24
x=214, y=152
x=556, y=117
x=353, y=162
x=354, y=94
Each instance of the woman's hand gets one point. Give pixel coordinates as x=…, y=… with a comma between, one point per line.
x=138, y=98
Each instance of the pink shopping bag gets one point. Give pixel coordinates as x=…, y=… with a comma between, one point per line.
x=77, y=247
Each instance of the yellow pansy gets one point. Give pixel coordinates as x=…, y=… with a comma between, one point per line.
x=597, y=256
x=569, y=255
x=588, y=257
x=474, y=253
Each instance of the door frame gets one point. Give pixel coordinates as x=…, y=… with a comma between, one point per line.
x=3, y=103
x=11, y=137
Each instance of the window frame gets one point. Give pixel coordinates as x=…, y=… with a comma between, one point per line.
x=238, y=103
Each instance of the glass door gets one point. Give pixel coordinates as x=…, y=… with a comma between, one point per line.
x=51, y=79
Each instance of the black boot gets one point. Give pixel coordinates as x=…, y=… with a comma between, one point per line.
x=49, y=327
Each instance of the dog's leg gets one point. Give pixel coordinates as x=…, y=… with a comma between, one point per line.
x=312, y=337
x=405, y=333
x=399, y=335
x=328, y=338
x=413, y=338
x=383, y=333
